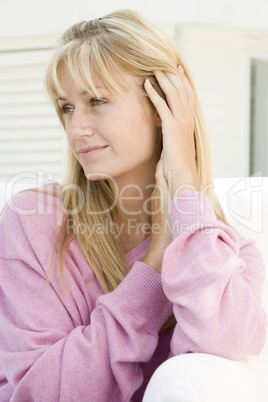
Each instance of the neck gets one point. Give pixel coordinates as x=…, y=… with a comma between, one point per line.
x=133, y=195
x=133, y=206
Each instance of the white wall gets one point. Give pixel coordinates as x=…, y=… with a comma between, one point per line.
x=35, y=17
x=219, y=59
x=238, y=13
x=218, y=55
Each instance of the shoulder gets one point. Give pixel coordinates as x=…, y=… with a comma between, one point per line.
x=36, y=203
x=31, y=216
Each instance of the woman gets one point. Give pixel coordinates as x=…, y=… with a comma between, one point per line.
x=131, y=261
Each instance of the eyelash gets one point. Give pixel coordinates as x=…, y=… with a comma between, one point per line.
x=65, y=109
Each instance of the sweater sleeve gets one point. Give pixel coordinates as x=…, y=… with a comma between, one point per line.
x=213, y=276
x=48, y=355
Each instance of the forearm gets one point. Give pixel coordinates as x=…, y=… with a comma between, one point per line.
x=214, y=284
x=78, y=361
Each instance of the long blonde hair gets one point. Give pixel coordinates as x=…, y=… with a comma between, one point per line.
x=119, y=42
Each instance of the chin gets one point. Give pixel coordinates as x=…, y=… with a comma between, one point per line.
x=95, y=176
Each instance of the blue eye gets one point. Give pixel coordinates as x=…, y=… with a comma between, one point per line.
x=65, y=110
x=93, y=102
x=96, y=102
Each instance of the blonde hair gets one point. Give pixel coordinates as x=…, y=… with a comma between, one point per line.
x=119, y=42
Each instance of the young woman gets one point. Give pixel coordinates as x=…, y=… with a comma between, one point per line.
x=131, y=260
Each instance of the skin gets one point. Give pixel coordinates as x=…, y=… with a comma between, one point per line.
x=127, y=126
x=176, y=171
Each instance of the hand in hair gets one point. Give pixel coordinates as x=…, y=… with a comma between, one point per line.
x=176, y=171
x=160, y=224
x=177, y=117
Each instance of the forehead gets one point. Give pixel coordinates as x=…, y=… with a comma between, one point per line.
x=90, y=82
x=68, y=81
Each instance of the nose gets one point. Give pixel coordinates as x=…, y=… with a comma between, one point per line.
x=80, y=124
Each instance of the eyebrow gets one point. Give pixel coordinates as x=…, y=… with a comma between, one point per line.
x=64, y=99
x=83, y=93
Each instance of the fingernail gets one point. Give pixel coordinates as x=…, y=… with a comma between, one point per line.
x=147, y=82
x=181, y=69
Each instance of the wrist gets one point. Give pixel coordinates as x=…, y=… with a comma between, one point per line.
x=154, y=260
x=180, y=184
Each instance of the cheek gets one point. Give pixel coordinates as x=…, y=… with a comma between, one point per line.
x=151, y=133
x=72, y=144
x=145, y=141
x=70, y=140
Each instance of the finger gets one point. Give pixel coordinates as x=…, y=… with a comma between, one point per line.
x=183, y=86
x=158, y=102
x=189, y=88
x=175, y=100
x=178, y=91
x=185, y=91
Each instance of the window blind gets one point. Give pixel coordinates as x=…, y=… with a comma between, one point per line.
x=32, y=141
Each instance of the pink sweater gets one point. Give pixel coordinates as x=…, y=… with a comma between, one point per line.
x=84, y=345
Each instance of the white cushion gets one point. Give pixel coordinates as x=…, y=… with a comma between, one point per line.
x=197, y=377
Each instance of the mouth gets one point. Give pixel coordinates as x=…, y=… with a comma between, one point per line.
x=91, y=150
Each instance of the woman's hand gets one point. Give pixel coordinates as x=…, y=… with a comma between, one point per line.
x=176, y=170
x=160, y=224
x=177, y=118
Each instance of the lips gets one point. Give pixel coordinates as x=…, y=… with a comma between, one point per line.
x=91, y=151
x=91, y=148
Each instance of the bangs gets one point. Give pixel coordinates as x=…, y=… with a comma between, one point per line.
x=87, y=62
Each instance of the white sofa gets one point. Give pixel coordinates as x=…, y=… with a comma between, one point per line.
x=197, y=377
